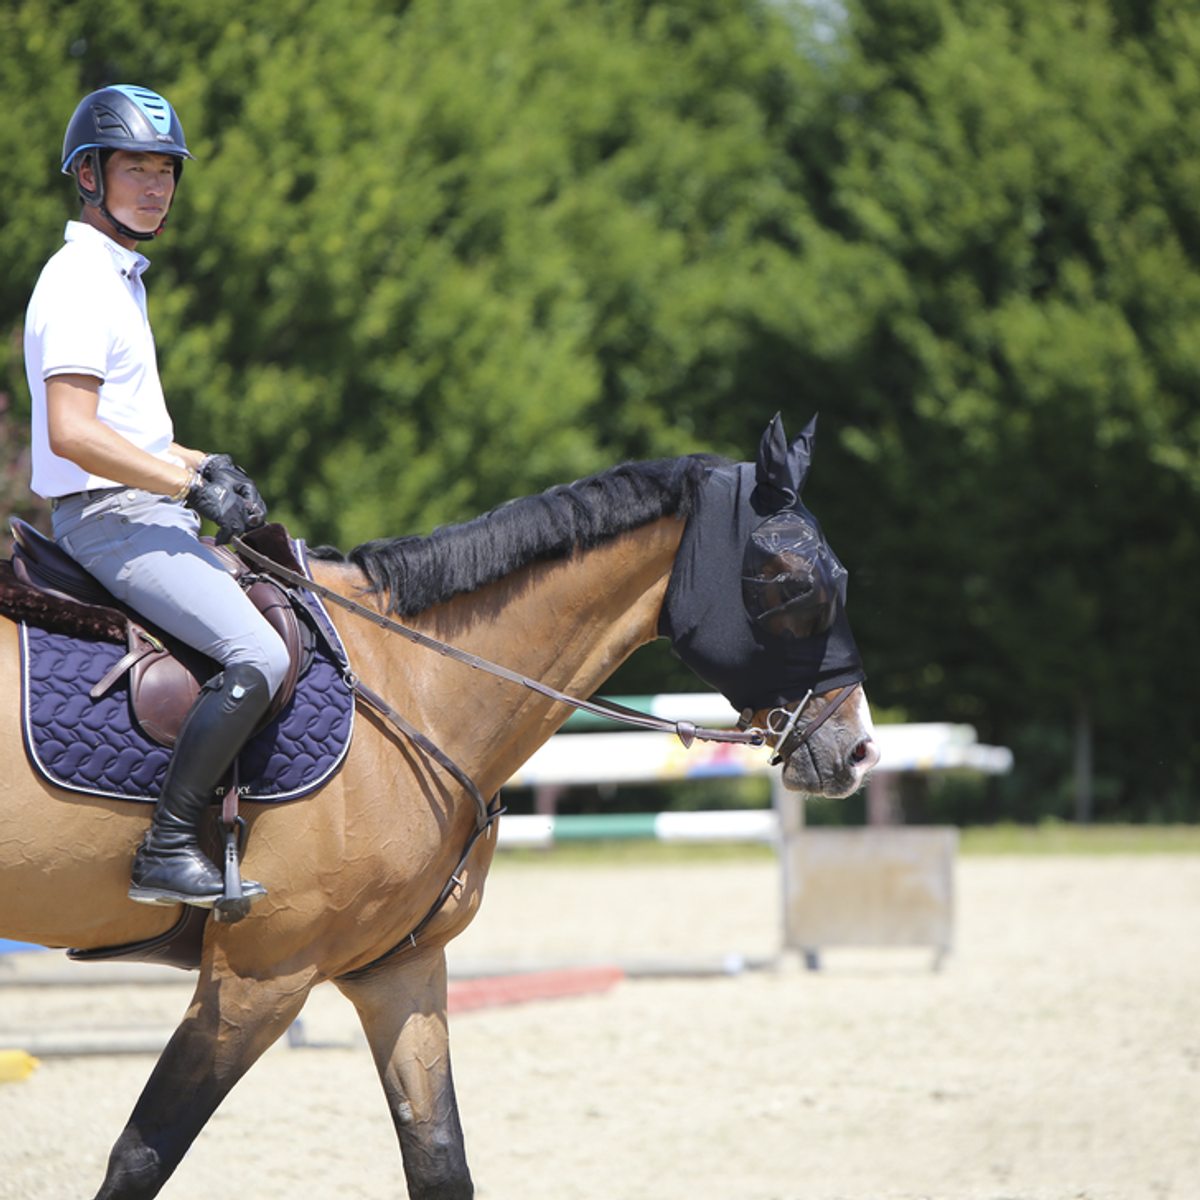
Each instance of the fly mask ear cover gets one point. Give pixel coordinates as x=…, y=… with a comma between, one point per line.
x=756, y=603
x=792, y=583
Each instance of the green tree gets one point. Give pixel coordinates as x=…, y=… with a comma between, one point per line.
x=436, y=254
x=1028, y=405
x=38, y=88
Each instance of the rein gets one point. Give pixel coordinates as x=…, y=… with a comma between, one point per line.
x=782, y=723
x=686, y=731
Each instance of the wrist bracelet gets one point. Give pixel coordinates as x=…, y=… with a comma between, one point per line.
x=187, y=487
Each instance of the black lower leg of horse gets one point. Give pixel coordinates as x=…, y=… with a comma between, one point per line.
x=176, y=1102
x=402, y=1006
x=202, y=1062
x=433, y=1150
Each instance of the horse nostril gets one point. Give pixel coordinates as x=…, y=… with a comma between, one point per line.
x=864, y=751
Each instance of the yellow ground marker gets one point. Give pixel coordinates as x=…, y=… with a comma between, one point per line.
x=16, y=1065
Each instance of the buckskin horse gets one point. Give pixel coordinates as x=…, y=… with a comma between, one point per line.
x=368, y=877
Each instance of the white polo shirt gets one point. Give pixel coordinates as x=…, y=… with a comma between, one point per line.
x=87, y=316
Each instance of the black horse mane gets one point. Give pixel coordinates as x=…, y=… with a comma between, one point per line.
x=416, y=573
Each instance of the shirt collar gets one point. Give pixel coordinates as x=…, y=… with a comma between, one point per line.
x=128, y=263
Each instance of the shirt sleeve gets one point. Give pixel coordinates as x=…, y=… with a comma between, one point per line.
x=74, y=328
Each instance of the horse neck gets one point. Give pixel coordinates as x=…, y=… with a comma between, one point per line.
x=567, y=623
x=576, y=621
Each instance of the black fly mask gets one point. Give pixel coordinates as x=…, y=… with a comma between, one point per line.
x=756, y=602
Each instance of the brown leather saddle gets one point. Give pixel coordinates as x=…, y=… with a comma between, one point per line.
x=45, y=586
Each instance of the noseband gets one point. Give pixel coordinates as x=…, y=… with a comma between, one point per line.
x=783, y=724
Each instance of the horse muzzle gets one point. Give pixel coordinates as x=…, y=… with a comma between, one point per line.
x=823, y=759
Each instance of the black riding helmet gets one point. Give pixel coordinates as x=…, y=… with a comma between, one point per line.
x=121, y=117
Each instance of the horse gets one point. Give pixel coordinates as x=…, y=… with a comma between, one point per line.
x=562, y=587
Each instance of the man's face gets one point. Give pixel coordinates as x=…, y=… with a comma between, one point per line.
x=138, y=188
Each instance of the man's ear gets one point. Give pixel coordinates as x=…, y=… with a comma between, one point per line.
x=87, y=171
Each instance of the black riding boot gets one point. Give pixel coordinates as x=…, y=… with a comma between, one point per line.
x=170, y=867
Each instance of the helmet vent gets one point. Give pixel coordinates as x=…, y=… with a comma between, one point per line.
x=156, y=110
x=110, y=122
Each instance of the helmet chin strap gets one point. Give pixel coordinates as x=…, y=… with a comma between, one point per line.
x=125, y=231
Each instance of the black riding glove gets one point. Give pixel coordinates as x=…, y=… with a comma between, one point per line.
x=225, y=507
x=220, y=468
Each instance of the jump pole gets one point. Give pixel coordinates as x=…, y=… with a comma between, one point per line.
x=754, y=825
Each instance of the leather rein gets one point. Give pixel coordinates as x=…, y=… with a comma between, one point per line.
x=782, y=723
x=686, y=731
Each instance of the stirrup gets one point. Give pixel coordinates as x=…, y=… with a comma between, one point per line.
x=233, y=904
x=164, y=880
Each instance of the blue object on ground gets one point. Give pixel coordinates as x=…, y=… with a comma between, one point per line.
x=7, y=947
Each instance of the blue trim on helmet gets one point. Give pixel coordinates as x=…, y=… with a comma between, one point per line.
x=156, y=109
x=66, y=167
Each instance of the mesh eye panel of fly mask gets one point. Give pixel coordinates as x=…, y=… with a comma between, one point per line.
x=756, y=602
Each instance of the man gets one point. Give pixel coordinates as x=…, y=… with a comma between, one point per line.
x=127, y=498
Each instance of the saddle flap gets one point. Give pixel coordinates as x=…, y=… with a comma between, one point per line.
x=164, y=682
x=298, y=636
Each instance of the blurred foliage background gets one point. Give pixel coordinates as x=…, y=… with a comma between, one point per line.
x=439, y=253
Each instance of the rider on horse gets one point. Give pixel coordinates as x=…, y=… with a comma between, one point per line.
x=127, y=498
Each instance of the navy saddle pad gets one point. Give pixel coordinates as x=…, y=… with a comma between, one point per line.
x=95, y=746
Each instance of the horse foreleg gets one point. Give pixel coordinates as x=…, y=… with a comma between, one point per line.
x=402, y=1007
x=229, y=1024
